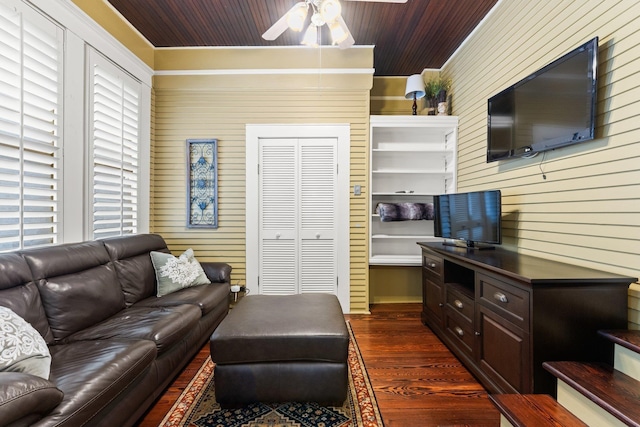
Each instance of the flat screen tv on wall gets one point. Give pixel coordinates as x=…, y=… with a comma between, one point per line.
x=552, y=108
x=470, y=219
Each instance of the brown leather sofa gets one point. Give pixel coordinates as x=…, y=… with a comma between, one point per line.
x=115, y=345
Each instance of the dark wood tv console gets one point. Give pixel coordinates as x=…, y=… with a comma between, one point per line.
x=503, y=314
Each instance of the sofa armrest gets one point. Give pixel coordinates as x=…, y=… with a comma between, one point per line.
x=217, y=272
x=26, y=396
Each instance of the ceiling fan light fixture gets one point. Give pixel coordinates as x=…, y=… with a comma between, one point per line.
x=338, y=34
x=317, y=20
x=330, y=10
x=310, y=37
x=327, y=12
x=297, y=16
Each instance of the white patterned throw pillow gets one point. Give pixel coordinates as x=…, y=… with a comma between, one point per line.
x=175, y=273
x=22, y=348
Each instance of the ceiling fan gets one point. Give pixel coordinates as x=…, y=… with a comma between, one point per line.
x=323, y=12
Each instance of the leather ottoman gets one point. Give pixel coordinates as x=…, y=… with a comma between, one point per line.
x=289, y=348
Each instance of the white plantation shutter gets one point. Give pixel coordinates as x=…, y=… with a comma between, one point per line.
x=30, y=126
x=115, y=103
x=297, y=184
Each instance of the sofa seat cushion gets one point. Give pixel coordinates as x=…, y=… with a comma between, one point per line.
x=93, y=373
x=26, y=397
x=207, y=297
x=165, y=326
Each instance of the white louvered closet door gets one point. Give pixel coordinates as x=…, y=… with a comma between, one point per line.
x=297, y=216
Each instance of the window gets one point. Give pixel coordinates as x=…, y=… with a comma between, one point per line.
x=30, y=126
x=115, y=101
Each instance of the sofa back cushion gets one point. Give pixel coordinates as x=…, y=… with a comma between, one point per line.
x=132, y=260
x=78, y=285
x=20, y=294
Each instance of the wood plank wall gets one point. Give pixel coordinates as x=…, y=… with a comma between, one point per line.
x=587, y=210
x=219, y=105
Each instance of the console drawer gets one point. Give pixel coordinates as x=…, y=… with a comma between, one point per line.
x=459, y=302
x=460, y=331
x=511, y=302
x=432, y=265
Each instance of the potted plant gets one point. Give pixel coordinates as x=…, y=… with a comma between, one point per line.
x=430, y=96
x=436, y=92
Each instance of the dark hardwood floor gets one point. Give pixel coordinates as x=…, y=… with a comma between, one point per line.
x=417, y=380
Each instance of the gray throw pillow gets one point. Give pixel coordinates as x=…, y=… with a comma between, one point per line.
x=22, y=348
x=175, y=273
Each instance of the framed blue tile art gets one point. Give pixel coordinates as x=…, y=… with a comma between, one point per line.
x=202, y=183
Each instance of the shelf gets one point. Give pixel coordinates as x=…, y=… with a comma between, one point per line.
x=404, y=194
x=408, y=260
x=417, y=238
x=416, y=172
x=410, y=150
x=375, y=215
x=408, y=154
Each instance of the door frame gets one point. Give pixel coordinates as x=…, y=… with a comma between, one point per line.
x=255, y=132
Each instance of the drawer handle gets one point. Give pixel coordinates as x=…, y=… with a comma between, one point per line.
x=432, y=265
x=459, y=331
x=499, y=296
x=440, y=305
x=458, y=304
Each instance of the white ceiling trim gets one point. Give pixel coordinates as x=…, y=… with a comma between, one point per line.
x=266, y=71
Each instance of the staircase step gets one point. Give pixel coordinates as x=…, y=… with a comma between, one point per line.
x=540, y=410
x=615, y=392
x=626, y=351
x=627, y=338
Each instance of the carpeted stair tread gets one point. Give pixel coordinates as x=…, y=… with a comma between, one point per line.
x=539, y=410
x=615, y=392
x=625, y=337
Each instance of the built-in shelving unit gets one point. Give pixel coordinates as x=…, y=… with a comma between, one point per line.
x=412, y=159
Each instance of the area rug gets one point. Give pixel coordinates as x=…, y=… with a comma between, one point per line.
x=197, y=406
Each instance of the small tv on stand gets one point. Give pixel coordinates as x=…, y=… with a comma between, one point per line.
x=471, y=220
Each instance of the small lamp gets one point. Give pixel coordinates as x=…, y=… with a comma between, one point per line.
x=415, y=90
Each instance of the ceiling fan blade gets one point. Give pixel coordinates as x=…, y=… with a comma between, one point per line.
x=349, y=41
x=281, y=24
x=276, y=29
x=383, y=1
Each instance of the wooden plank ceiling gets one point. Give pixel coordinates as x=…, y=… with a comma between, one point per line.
x=408, y=37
